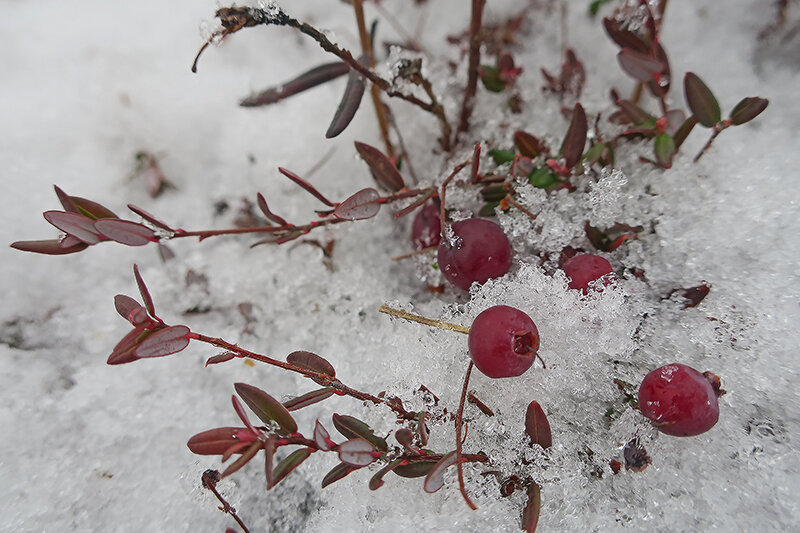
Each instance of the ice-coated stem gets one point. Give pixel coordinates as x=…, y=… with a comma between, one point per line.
x=399, y=313
x=459, y=418
x=474, y=61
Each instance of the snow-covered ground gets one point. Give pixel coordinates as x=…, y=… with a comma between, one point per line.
x=86, y=446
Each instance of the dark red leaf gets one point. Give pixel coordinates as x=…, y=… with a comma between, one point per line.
x=624, y=38
x=414, y=469
x=305, y=185
x=694, y=295
x=74, y=224
x=164, y=342
x=291, y=462
x=309, y=398
x=353, y=428
x=221, y=358
x=635, y=455
x=683, y=131
x=262, y=204
x=214, y=441
x=748, y=109
x=337, y=472
x=360, y=206
x=659, y=85
x=66, y=200
x=435, y=478
x=376, y=481
x=130, y=309
x=701, y=101
x=530, y=515
x=241, y=413
x=82, y=206
x=150, y=218
x=537, y=427
x=242, y=460
x=267, y=408
x=125, y=231
x=351, y=99
x=575, y=139
x=146, y=298
x=311, y=361
x=476, y=163
x=383, y=170
x=50, y=246
x=636, y=114
x=529, y=145
x=639, y=66
x=123, y=352
x=303, y=82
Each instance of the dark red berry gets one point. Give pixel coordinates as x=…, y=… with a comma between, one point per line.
x=585, y=268
x=679, y=400
x=426, y=231
x=480, y=251
x=503, y=342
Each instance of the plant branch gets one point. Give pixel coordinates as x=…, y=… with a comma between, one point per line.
x=399, y=313
x=209, y=479
x=473, y=65
x=459, y=418
x=708, y=144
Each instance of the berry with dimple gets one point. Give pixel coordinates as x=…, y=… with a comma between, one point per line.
x=586, y=268
x=426, y=229
x=679, y=400
x=479, y=251
x=503, y=342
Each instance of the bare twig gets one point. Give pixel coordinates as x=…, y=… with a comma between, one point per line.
x=209, y=479
x=399, y=313
x=459, y=418
x=474, y=62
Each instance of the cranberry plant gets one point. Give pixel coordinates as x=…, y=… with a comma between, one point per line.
x=495, y=171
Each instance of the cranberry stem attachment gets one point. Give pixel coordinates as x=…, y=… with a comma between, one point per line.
x=459, y=418
x=209, y=479
x=399, y=313
x=445, y=183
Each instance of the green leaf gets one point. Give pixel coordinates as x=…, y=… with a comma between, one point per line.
x=267, y=408
x=490, y=76
x=502, y=156
x=353, y=428
x=664, y=149
x=701, y=101
x=542, y=178
x=594, y=153
x=291, y=462
x=415, y=469
x=748, y=109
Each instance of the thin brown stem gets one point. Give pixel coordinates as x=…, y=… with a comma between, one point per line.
x=209, y=479
x=319, y=377
x=414, y=253
x=459, y=418
x=708, y=144
x=445, y=183
x=473, y=65
x=510, y=199
x=399, y=313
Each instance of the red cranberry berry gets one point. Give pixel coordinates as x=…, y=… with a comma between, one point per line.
x=426, y=229
x=481, y=251
x=503, y=342
x=585, y=268
x=679, y=400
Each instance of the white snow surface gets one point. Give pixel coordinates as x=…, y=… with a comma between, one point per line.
x=90, y=447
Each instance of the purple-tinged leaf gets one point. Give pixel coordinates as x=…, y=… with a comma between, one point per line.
x=701, y=100
x=146, y=298
x=659, y=85
x=406, y=439
x=123, y=351
x=435, y=478
x=664, y=149
x=639, y=66
x=322, y=437
x=305, y=185
x=50, y=246
x=351, y=99
x=74, y=224
x=221, y=358
x=353, y=428
x=303, y=82
x=356, y=452
x=362, y=205
x=683, y=131
x=131, y=310
x=311, y=361
x=164, y=342
x=267, y=408
x=694, y=295
x=309, y=398
x=262, y=204
x=383, y=170
x=675, y=119
x=125, y=231
x=529, y=145
x=269, y=458
x=422, y=428
x=82, y=206
x=414, y=469
x=233, y=450
x=537, y=427
x=635, y=114
x=289, y=463
x=66, y=200
x=575, y=139
x=376, y=481
x=748, y=109
x=241, y=413
x=214, y=441
x=624, y=38
x=337, y=472
x=530, y=515
x=242, y=460
x=150, y=218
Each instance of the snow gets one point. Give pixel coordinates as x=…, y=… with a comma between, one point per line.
x=87, y=446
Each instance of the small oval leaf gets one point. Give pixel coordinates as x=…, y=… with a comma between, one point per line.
x=303, y=82
x=352, y=428
x=529, y=145
x=664, y=149
x=123, y=352
x=356, y=452
x=50, y=246
x=146, y=298
x=639, y=66
x=530, y=515
x=164, y=342
x=537, y=427
x=435, y=478
x=321, y=437
x=575, y=139
x=309, y=398
x=362, y=205
x=214, y=441
x=245, y=458
x=701, y=100
x=748, y=109
x=74, y=224
x=337, y=472
x=415, y=469
x=311, y=361
x=351, y=99
x=291, y=462
x=267, y=408
x=130, y=309
x=383, y=170
x=125, y=231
